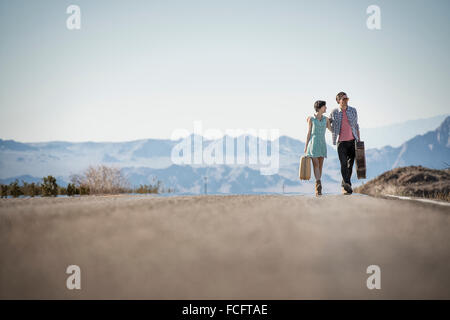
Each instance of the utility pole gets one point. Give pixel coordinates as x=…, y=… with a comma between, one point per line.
x=206, y=184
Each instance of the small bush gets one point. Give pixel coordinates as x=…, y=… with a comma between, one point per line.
x=30, y=189
x=71, y=189
x=101, y=180
x=149, y=188
x=34, y=189
x=84, y=190
x=14, y=189
x=4, y=191
x=49, y=187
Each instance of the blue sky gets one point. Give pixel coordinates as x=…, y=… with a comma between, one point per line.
x=142, y=69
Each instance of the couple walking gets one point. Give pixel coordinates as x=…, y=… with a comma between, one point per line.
x=343, y=124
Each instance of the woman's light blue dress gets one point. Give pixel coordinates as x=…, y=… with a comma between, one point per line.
x=317, y=147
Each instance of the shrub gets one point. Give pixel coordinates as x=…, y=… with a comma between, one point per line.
x=4, y=191
x=71, y=189
x=84, y=190
x=49, y=187
x=149, y=188
x=101, y=180
x=30, y=189
x=14, y=189
x=35, y=189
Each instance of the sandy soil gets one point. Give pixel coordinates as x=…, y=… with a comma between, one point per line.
x=224, y=247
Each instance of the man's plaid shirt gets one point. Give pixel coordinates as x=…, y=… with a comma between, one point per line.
x=336, y=117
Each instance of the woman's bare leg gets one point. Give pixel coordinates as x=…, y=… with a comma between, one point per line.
x=315, y=162
x=320, y=166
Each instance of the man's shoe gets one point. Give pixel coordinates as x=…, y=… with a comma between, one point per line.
x=348, y=188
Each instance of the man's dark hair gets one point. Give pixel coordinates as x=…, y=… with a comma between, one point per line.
x=319, y=104
x=339, y=96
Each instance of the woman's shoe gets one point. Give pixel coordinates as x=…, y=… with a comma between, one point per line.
x=318, y=188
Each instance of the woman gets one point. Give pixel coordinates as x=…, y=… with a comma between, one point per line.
x=315, y=146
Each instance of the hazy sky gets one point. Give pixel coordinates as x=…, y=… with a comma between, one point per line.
x=141, y=69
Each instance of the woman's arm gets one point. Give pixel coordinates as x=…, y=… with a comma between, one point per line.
x=309, y=133
x=329, y=124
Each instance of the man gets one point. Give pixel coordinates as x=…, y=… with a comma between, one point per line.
x=344, y=126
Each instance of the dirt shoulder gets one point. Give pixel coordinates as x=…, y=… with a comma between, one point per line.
x=412, y=181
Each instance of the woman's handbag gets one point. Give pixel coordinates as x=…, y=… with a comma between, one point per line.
x=360, y=160
x=304, y=170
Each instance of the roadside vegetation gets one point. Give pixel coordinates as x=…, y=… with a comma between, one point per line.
x=95, y=180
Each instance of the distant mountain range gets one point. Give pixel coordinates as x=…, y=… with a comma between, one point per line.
x=142, y=160
x=395, y=134
x=431, y=150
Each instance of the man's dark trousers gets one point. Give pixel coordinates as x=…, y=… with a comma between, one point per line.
x=346, y=153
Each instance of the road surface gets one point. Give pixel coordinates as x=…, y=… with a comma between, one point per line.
x=224, y=247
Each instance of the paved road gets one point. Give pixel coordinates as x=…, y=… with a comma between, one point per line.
x=217, y=247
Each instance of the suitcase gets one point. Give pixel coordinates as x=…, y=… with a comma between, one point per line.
x=304, y=170
x=360, y=159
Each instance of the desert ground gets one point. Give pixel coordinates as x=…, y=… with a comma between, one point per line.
x=224, y=247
